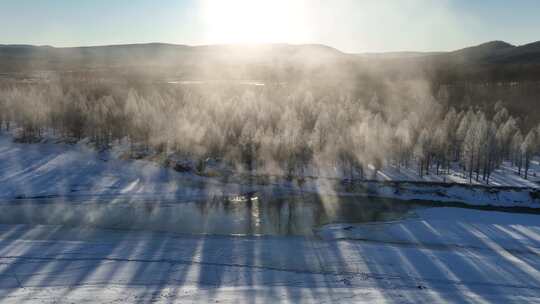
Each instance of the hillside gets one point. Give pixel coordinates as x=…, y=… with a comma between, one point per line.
x=26, y=58
x=482, y=61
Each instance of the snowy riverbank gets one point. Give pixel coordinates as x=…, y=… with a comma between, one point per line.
x=432, y=255
x=439, y=255
x=77, y=172
x=474, y=195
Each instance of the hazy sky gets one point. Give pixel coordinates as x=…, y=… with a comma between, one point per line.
x=349, y=25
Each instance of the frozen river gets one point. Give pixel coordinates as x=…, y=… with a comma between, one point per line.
x=440, y=255
x=235, y=215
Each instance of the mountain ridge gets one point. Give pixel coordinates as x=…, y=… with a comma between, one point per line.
x=488, y=61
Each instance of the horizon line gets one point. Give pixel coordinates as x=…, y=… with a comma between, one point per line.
x=251, y=45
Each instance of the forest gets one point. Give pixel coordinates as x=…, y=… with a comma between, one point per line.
x=276, y=128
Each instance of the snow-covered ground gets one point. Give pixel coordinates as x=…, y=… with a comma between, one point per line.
x=435, y=255
x=443, y=255
x=52, y=170
x=507, y=175
x=78, y=172
x=475, y=195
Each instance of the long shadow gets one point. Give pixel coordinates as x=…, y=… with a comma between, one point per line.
x=295, y=265
x=48, y=260
x=481, y=272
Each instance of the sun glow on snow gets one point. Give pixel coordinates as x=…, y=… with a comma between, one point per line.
x=256, y=21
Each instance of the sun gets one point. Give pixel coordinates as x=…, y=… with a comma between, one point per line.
x=255, y=21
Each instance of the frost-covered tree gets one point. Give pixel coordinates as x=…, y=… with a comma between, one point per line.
x=282, y=129
x=516, y=151
x=505, y=135
x=528, y=148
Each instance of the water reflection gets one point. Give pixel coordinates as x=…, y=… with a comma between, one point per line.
x=297, y=215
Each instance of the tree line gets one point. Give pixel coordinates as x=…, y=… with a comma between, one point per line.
x=277, y=128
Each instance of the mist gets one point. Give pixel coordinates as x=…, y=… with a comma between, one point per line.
x=311, y=111
x=272, y=151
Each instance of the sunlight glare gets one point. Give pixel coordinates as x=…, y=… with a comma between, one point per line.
x=256, y=21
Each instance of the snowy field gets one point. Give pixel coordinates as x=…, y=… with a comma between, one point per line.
x=77, y=172
x=433, y=255
x=442, y=255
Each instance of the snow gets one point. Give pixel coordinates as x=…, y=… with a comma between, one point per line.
x=54, y=170
x=77, y=172
x=446, y=226
x=454, y=193
x=442, y=255
x=507, y=175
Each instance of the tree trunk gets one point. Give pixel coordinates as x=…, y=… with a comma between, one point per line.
x=519, y=164
x=526, y=165
x=471, y=169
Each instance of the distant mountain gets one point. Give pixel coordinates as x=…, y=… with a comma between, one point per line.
x=395, y=55
x=494, y=51
x=482, y=52
x=173, y=61
x=150, y=53
x=528, y=53
x=485, y=53
x=491, y=60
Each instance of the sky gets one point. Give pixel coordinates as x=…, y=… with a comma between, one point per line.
x=349, y=25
